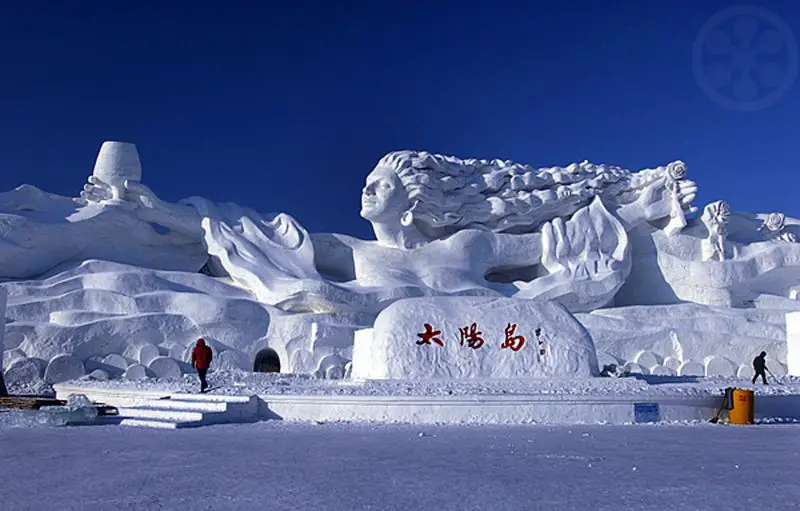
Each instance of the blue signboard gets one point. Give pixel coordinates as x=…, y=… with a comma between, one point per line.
x=646, y=412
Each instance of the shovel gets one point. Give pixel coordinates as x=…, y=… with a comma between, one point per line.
x=773, y=377
x=727, y=400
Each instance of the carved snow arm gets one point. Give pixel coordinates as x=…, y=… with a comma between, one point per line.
x=676, y=172
x=665, y=193
x=262, y=254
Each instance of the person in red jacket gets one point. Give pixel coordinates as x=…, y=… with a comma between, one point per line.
x=201, y=360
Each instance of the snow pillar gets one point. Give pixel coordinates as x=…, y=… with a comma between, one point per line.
x=793, y=343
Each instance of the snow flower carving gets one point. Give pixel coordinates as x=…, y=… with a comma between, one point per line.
x=775, y=222
x=676, y=170
x=775, y=225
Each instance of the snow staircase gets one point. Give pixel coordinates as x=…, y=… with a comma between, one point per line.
x=190, y=411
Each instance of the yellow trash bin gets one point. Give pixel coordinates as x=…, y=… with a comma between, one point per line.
x=743, y=411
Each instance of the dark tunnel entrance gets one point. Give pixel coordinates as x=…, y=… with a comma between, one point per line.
x=267, y=361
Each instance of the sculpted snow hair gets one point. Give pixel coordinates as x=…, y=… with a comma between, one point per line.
x=448, y=194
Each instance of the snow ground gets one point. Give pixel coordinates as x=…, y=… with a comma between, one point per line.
x=275, y=465
x=247, y=383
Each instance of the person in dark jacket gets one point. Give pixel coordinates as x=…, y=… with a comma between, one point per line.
x=201, y=360
x=760, y=366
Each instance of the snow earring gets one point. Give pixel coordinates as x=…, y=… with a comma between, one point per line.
x=407, y=217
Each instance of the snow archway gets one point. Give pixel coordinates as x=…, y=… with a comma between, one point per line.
x=267, y=361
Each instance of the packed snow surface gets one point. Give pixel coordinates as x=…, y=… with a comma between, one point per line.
x=246, y=383
x=274, y=465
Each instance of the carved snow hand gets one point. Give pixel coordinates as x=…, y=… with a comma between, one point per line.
x=664, y=196
x=591, y=245
x=141, y=195
x=95, y=191
x=135, y=196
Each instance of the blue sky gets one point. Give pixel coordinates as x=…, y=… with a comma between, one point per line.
x=286, y=106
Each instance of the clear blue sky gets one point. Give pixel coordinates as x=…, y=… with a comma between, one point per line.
x=286, y=106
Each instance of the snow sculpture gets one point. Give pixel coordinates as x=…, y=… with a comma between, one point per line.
x=138, y=372
x=116, y=163
x=412, y=198
x=774, y=225
x=79, y=410
x=63, y=368
x=264, y=253
x=114, y=363
x=449, y=226
x=465, y=337
x=165, y=367
x=99, y=375
x=720, y=366
x=676, y=173
x=147, y=353
x=691, y=369
x=443, y=226
x=618, y=249
x=715, y=217
x=41, y=232
x=27, y=371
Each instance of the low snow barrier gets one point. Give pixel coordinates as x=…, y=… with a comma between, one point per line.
x=475, y=409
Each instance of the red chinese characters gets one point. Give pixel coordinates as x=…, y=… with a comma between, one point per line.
x=430, y=335
x=472, y=336
x=514, y=342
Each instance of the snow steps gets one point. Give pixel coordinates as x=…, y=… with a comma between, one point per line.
x=190, y=411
